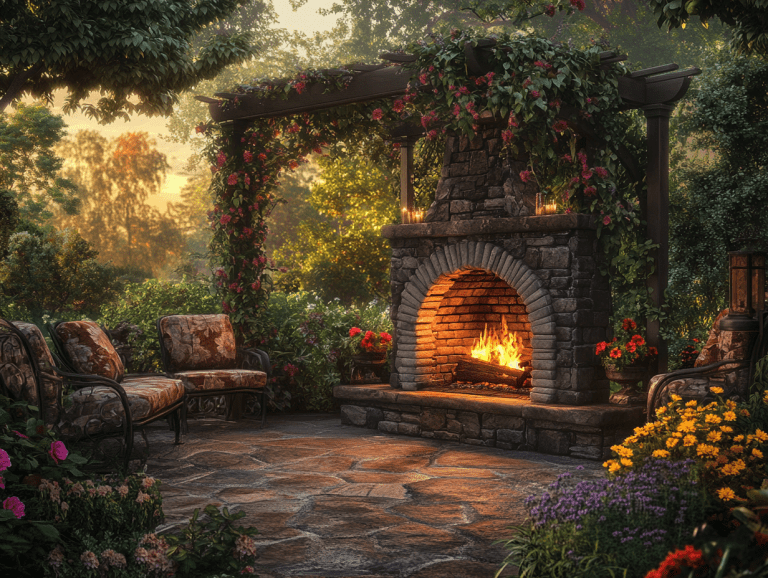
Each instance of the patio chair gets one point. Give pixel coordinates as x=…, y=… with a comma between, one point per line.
x=95, y=401
x=734, y=376
x=200, y=351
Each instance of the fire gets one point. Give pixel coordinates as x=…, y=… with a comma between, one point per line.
x=503, y=348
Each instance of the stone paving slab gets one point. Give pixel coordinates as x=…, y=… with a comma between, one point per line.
x=338, y=501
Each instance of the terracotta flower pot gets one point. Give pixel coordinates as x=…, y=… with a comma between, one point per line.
x=628, y=377
x=368, y=362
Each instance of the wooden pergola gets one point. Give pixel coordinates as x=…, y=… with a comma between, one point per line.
x=653, y=90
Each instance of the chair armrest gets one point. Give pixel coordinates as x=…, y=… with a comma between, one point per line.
x=251, y=355
x=655, y=392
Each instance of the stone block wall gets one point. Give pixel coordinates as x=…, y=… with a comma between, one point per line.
x=551, y=262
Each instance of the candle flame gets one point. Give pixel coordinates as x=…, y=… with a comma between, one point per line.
x=503, y=347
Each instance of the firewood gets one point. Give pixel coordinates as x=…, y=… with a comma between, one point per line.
x=475, y=371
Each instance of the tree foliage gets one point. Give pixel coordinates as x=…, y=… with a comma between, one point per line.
x=341, y=254
x=49, y=272
x=719, y=189
x=116, y=178
x=30, y=164
x=748, y=19
x=139, y=55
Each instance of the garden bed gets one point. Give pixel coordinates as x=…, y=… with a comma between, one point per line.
x=503, y=421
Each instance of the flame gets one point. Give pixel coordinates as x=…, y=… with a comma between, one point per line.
x=503, y=348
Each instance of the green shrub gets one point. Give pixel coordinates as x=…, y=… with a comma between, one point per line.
x=308, y=343
x=141, y=304
x=57, y=521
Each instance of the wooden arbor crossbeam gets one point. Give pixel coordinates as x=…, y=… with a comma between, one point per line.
x=653, y=90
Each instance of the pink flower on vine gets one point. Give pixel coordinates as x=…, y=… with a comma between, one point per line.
x=507, y=136
x=550, y=10
x=377, y=114
x=586, y=175
x=590, y=191
x=560, y=126
x=300, y=86
x=432, y=135
x=535, y=94
x=225, y=219
x=256, y=285
x=247, y=156
x=221, y=158
x=262, y=157
x=601, y=172
x=5, y=460
x=58, y=451
x=423, y=78
x=579, y=4
x=525, y=176
x=232, y=179
x=607, y=220
x=398, y=105
x=15, y=505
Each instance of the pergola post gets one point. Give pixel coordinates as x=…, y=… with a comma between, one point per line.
x=657, y=216
x=406, y=178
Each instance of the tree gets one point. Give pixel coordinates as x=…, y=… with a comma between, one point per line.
x=52, y=272
x=139, y=55
x=342, y=254
x=29, y=164
x=116, y=179
x=749, y=20
x=719, y=189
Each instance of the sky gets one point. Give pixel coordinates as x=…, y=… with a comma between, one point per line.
x=305, y=19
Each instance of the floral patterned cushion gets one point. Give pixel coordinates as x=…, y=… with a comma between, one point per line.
x=198, y=342
x=213, y=380
x=96, y=410
x=16, y=368
x=51, y=383
x=90, y=350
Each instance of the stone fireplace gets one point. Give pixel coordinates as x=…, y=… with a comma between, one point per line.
x=483, y=256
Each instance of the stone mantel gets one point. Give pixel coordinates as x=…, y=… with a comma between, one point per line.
x=467, y=228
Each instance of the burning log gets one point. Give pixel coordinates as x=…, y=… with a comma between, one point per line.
x=476, y=371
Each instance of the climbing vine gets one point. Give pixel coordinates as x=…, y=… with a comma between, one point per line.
x=559, y=107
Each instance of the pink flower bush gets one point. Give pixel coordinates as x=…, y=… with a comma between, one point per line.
x=15, y=505
x=377, y=114
x=5, y=460
x=58, y=451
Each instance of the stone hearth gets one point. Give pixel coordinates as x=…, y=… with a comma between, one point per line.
x=506, y=422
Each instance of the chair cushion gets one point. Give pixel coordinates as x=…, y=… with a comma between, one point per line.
x=51, y=383
x=97, y=409
x=16, y=369
x=90, y=350
x=221, y=379
x=198, y=342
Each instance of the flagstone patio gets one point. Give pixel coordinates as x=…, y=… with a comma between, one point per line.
x=339, y=501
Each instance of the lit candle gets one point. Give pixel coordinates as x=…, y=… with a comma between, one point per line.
x=405, y=216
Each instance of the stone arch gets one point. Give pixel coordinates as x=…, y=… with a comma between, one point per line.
x=415, y=363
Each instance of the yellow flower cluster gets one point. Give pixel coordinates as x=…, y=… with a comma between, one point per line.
x=731, y=461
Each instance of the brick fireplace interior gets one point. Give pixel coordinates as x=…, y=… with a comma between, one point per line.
x=459, y=308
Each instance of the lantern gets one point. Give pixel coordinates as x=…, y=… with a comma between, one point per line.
x=746, y=290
